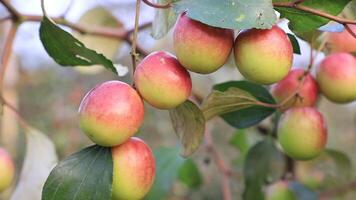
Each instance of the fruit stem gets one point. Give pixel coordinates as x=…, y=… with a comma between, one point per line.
x=161, y=6
x=134, y=54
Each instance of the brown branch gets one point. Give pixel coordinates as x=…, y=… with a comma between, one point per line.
x=154, y=5
x=225, y=171
x=22, y=121
x=134, y=54
x=5, y=18
x=14, y=13
x=348, y=29
x=6, y=54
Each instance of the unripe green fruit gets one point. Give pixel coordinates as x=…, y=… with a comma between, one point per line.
x=344, y=41
x=111, y=113
x=7, y=170
x=263, y=56
x=134, y=170
x=336, y=76
x=302, y=133
x=199, y=47
x=308, y=91
x=162, y=81
x=279, y=191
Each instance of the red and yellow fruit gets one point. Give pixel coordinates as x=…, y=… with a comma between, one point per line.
x=307, y=91
x=111, y=113
x=279, y=191
x=343, y=42
x=7, y=170
x=263, y=56
x=336, y=76
x=134, y=170
x=199, y=47
x=162, y=81
x=302, y=133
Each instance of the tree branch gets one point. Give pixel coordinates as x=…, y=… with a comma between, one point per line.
x=14, y=13
x=154, y=5
x=134, y=54
x=348, y=29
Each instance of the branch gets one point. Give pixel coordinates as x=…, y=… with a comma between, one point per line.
x=14, y=13
x=154, y=5
x=134, y=54
x=5, y=18
x=22, y=121
x=348, y=29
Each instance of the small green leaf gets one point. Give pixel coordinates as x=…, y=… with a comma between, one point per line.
x=249, y=115
x=168, y=162
x=295, y=44
x=83, y=175
x=189, y=124
x=260, y=165
x=232, y=14
x=302, y=192
x=163, y=21
x=189, y=174
x=67, y=50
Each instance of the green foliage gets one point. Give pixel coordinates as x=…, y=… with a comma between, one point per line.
x=67, y=50
x=235, y=102
x=168, y=163
x=233, y=14
x=189, y=124
x=84, y=175
x=259, y=166
x=239, y=140
x=189, y=174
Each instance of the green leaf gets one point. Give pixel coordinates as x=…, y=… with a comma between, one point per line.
x=239, y=141
x=302, y=192
x=232, y=14
x=168, y=162
x=189, y=174
x=260, y=165
x=67, y=50
x=163, y=21
x=301, y=21
x=247, y=115
x=83, y=175
x=295, y=44
x=342, y=162
x=189, y=124
x=40, y=158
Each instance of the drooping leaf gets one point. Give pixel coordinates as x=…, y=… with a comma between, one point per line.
x=168, y=162
x=189, y=174
x=233, y=14
x=163, y=21
x=249, y=115
x=301, y=21
x=84, y=175
x=67, y=50
x=302, y=192
x=295, y=44
x=40, y=158
x=260, y=165
x=342, y=162
x=189, y=124
x=99, y=16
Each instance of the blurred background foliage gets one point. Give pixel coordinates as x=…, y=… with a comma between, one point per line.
x=48, y=97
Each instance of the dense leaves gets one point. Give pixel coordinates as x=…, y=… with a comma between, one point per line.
x=67, y=50
x=260, y=165
x=83, y=175
x=189, y=124
x=233, y=14
x=236, y=102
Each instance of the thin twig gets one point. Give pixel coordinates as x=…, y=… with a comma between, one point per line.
x=154, y=5
x=21, y=120
x=14, y=13
x=66, y=11
x=134, y=54
x=348, y=29
x=6, y=54
x=5, y=18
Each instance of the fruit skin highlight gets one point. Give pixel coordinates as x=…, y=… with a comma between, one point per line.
x=111, y=113
x=342, y=42
x=308, y=91
x=134, y=170
x=7, y=170
x=263, y=56
x=336, y=76
x=199, y=47
x=279, y=191
x=162, y=81
x=302, y=133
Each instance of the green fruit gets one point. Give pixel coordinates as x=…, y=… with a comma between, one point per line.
x=279, y=191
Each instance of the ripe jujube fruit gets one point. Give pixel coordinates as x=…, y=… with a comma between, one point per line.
x=279, y=191
x=308, y=91
x=111, y=113
x=263, y=56
x=199, y=47
x=336, y=76
x=134, y=170
x=302, y=133
x=7, y=170
x=162, y=81
x=344, y=41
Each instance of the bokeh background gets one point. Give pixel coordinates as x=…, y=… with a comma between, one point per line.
x=48, y=96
